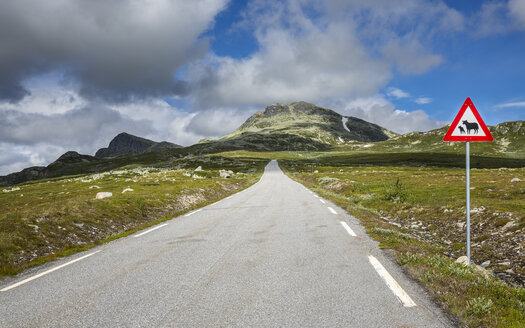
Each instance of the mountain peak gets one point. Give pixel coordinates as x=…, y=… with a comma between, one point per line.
x=128, y=144
x=312, y=122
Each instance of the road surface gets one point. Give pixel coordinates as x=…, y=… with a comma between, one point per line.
x=274, y=255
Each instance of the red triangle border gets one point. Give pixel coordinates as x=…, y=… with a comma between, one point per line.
x=455, y=123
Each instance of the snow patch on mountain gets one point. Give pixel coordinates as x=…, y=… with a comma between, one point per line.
x=344, y=119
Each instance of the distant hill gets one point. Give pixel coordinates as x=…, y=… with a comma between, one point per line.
x=123, y=149
x=127, y=144
x=68, y=163
x=509, y=141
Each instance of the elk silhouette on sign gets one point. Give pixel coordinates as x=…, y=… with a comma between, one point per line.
x=471, y=126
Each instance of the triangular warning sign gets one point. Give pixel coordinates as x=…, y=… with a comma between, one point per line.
x=468, y=125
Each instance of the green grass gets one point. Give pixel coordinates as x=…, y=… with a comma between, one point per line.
x=418, y=211
x=48, y=219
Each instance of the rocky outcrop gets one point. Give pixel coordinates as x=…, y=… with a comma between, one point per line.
x=127, y=144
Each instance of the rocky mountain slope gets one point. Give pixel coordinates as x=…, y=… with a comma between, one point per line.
x=310, y=122
x=126, y=144
x=297, y=126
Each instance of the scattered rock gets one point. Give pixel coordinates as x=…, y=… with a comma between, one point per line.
x=316, y=171
x=94, y=187
x=126, y=190
x=509, y=225
x=515, y=180
x=478, y=210
x=101, y=195
x=35, y=227
x=224, y=174
x=198, y=169
x=12, y=189
x=485, y=264
x=195, y=176
x=462, y=260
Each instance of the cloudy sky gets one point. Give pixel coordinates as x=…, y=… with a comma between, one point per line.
x=75, y=73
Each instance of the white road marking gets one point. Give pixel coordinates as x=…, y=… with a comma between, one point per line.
x=391, y=283
x=348, y=229
x=150, y=230
x=316, y=196
x=322, y=201
x=190, y=213
x=46, y=272
x=331, y=210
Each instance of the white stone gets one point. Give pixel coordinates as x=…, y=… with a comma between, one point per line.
x=508, y=225
x=198, y=168
x=224, y=174
x=126, y=190
x=12, y=189
x=104, y=194
x=485, y=264
x=462, y=260
x=515, y=180
x=94, y=187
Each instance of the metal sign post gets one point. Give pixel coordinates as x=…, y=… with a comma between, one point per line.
x=468, y=198
x=469, y=117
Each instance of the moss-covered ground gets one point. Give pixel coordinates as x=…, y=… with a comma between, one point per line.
x=42, y=220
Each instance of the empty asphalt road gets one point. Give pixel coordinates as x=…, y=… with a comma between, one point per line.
x=274, y=255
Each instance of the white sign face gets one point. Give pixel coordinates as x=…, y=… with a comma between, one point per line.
x=468, y=126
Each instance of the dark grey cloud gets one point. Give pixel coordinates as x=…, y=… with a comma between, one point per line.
x=115, y=50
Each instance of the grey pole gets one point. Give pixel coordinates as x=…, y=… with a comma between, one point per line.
x=468, y=199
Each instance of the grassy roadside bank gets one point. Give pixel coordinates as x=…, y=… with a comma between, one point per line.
x=418, y=212
x=41, y=221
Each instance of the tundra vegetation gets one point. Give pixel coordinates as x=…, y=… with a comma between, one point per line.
x=418, y=213
x=407, y=190
x=46, y=219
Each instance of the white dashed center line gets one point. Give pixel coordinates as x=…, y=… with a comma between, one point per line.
x=46, y=272
x=348, y=229
x=322, y=201
x=332, y=210
x=391, y=283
